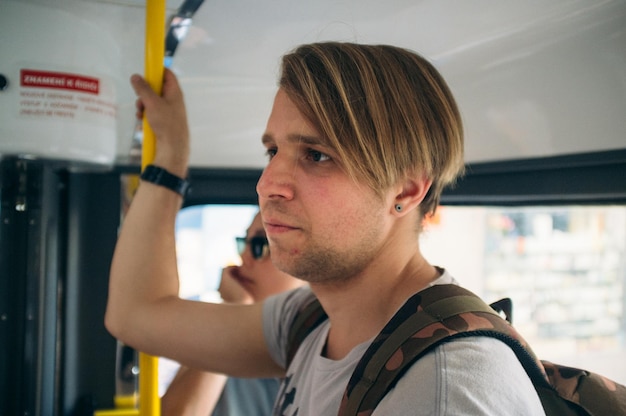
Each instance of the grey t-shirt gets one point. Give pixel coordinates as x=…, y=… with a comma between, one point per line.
x=474, y=375
x=247, y=396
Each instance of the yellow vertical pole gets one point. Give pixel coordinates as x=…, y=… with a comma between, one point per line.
x=149, y=402
x=154, y=64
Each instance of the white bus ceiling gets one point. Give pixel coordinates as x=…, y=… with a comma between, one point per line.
x=533, y=78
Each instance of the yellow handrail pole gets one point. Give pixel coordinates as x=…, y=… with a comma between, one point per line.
x=154, y=63
x=149, y=401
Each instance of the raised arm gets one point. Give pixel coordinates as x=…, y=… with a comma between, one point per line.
x=144, y=310
x=195, y=392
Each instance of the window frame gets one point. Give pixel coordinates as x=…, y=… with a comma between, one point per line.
x=585, y=178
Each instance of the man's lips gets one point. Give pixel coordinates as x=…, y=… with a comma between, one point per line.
x=275, y=227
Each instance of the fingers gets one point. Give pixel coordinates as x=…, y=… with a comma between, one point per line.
x=141, y=86
x=170, y=84
x=143, y=90
x=231, y=290
x=167, y=119
x=139, y=108
x=170, y=88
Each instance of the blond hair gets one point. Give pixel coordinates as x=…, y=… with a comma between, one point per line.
x=385, y=110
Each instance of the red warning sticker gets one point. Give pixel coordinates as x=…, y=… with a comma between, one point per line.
x=59, y=80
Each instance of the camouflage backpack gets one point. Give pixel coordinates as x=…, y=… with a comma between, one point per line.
x=442, y=313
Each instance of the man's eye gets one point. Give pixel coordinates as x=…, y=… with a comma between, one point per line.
x=270, y=153
x=317, y=156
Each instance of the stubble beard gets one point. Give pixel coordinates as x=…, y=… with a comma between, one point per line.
x=323, y=265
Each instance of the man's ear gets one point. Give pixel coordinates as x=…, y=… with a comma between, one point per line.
x=411, y=193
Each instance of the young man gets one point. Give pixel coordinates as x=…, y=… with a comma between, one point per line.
x=194, y=392
x=361, y=141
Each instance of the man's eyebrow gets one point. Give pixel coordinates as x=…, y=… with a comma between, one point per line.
x=310, y=140
x=295, y=138
x=267, y=139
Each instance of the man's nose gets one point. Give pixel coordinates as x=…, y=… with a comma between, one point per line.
x=277, y=179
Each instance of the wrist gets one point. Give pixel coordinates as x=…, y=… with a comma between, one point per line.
x=175, y=164
x=162, y=177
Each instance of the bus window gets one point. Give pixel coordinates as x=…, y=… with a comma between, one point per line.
x=564, y=267
x=205, y=243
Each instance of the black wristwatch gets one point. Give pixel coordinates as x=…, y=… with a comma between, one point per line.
x=162, y=177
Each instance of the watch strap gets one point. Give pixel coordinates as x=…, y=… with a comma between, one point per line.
x=159, y=176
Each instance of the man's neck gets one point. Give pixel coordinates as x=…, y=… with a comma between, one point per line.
x=360, y=307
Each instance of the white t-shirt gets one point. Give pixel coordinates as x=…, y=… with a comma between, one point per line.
x=470, y=376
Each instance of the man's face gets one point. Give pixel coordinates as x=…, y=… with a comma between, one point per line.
x=322, y=226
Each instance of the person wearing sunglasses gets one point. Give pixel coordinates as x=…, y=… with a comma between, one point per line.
x=195, y=392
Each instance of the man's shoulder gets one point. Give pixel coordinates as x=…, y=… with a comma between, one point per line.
x=290, y=299
x=476, y=373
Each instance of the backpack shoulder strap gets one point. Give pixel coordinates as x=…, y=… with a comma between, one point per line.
x=434, y=315
x=309, y=317
x=441, y=314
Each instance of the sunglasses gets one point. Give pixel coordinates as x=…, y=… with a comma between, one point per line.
x=259, y=246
